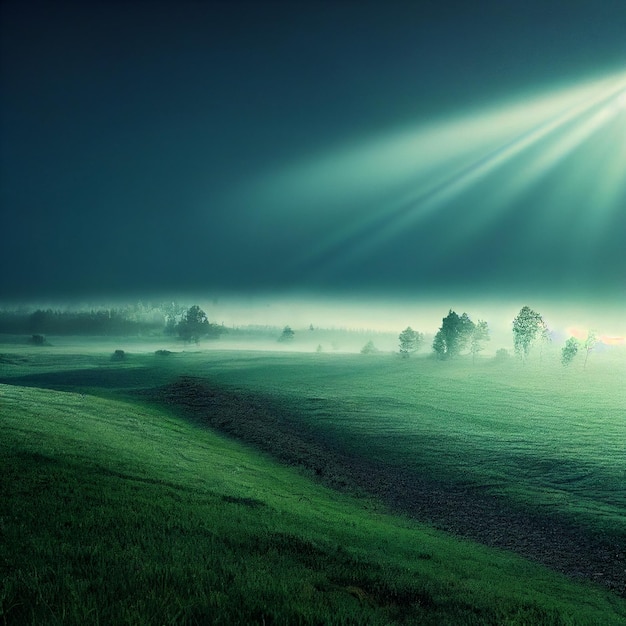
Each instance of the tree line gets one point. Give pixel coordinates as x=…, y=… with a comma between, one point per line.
x=171, y=319
x=94, y=322
x=459, y=334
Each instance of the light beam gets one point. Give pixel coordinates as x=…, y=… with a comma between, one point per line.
x=377, y=191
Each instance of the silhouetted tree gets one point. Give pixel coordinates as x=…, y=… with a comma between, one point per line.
x=452, y=338
x=570, y=350
x=287, y=335
x=194, y=325
x=526, y=327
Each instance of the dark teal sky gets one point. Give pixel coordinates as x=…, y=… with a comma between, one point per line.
x=134, y=135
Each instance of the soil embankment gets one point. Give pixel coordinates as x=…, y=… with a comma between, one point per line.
x=545, y=537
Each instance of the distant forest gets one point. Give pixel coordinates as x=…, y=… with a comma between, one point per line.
x=127, y=321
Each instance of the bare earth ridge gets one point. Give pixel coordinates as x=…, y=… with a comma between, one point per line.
x=547, y=538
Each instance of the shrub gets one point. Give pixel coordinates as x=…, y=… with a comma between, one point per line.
x=502, y=355
x=369, y=348
x=118, y=355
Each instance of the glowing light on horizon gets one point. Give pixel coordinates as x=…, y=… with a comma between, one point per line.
x=613, y=341
x=579, y=333
x=582, y=333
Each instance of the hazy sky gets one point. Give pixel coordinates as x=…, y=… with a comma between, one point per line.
x=333, y=147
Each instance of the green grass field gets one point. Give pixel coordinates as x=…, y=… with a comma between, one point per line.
x=122, y=503
x=539, y=435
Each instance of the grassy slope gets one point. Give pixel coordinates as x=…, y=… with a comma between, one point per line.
x=114, y=512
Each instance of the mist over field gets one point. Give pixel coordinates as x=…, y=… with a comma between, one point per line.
x=388, y=314
x=378, y=317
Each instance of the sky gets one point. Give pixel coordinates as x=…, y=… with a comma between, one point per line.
x=340, y=149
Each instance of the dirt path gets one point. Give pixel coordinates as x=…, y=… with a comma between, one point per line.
x=467, y=512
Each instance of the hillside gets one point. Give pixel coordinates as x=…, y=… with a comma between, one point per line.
x=119, y=505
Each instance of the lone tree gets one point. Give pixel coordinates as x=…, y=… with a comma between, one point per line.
x=589, y=345
x=287, y=335
x=452, y=338
x=194, y=325
x=526, y=327
x=410, y=341
x=480, y=334
x=570, y=350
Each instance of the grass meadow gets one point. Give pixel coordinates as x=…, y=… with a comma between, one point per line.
x=223, y=487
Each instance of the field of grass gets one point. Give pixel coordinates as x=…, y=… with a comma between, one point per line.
x=539, y=434
x=118, y=508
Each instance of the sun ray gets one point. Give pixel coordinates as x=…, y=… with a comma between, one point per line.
x=378, y=191
x=559, y=136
